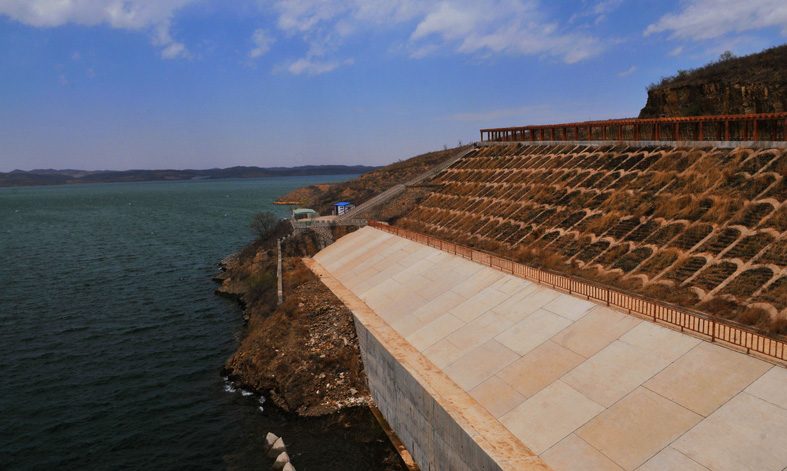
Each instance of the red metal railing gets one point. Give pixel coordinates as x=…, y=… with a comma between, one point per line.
x=749, y=127
x=715, y=328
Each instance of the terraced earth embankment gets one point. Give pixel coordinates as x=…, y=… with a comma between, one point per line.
x=702, y=227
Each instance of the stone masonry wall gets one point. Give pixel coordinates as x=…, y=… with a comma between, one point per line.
x=434, y=439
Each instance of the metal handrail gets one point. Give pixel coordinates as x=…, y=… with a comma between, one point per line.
x=747, y=127
x=716, y=329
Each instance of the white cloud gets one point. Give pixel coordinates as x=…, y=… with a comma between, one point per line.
x=310, y=66
x=137, y=15
x=630, y=71
x=676, y=52
x=262, y=43
x=708, y=19
x=605, y=6
x=479, y=27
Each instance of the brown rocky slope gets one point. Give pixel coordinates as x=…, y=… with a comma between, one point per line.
x=303, y=354
x=732, y=85
x=322, y=197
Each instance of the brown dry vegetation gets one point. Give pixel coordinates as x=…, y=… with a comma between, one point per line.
x=303, y=354
x=612, y=214
x=322, y=197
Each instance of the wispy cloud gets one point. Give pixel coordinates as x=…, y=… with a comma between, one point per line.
x=310, y=66
x=262, y=43
x=630, y=71
x=154, y=16
x=676, y=52
x=467, y=27
x=708, y=19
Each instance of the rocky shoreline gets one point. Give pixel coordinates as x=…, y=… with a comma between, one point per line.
x=302, y=355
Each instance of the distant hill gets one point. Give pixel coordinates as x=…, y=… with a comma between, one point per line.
x=70, y=177
x=756, y=83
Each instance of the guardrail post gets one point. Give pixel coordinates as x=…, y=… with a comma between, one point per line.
x=727, y=130
x=713, y=330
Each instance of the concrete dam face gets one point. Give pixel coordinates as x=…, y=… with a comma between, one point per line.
x=481, y=370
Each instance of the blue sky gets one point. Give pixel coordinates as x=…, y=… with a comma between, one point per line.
x=120, y=84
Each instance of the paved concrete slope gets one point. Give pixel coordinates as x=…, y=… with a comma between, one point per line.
x=582, y=386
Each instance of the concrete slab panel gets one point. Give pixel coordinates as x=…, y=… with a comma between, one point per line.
x=574, y=454
x=532, y=331
x=597, y=329
x=377, y=288
x=479, y=331
x=746, y=434
x=706, y=377
x=539, y=368
x=466, y=267
x=570, y=307
x=670, y=459
x=438, y=306
x=443, y=353
x=550, y=416
x=404, y=307
x=412, y=270
x=386, y=276
x=636, y=428
x=520, y=305
x=402, y=291
x=480, y=364
x=511, y=285
x=660, y=341
x=407, y=325
x=434, y=288
x=434, y=331
x=496, y=396
x=614, y=372
x=473, y=285
x=417, y=254
x=771, y=387
x=380, y=303
x=482, y=302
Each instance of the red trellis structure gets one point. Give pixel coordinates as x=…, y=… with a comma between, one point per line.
x=748, y=127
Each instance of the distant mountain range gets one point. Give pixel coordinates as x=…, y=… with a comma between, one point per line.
x=70, y=177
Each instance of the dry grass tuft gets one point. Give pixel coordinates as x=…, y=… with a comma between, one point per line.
x=778, y=326
x=756, y=317
x=721, y=307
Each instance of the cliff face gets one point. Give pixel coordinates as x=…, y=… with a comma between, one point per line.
x=756, y=83
x=715, y=98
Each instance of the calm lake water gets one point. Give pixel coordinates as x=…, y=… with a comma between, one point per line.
x=112, y=340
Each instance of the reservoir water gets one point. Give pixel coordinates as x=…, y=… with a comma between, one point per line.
x=111, y=339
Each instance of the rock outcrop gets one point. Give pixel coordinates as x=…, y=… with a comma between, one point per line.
x=732, y=85
x=715, y=98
